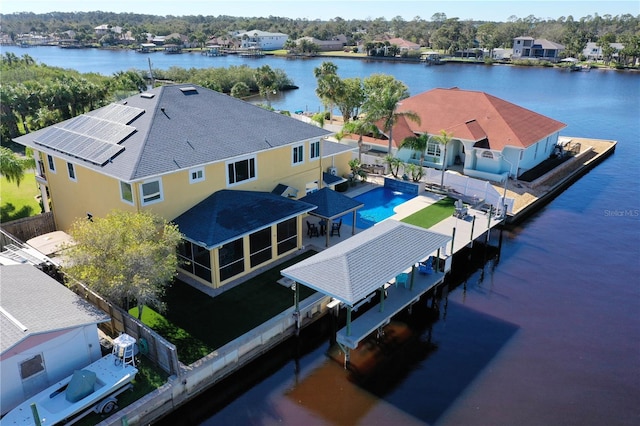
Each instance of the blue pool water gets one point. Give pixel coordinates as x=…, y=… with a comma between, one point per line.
x=378, y=205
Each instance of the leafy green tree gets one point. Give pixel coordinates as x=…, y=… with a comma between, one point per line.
x=125, y=257
x=240, y=90
x=266, y=79
x=350, y=98
x=382, y=94
x=13, y=167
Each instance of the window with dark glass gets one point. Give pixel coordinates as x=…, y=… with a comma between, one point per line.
x=287, y=235
x=195, y=259
x=241, y=170
x=31, y=366
x=315, y=150
x=231, y=259
x=260, y=247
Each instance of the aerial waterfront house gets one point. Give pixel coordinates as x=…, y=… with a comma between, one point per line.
x=262, y=40
x=530, y=48
x=490, y=137
x=230, y=173
x=46, y=333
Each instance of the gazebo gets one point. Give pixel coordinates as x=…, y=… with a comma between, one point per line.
x=330, y=206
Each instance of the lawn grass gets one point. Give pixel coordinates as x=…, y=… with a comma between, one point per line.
x=432, y=214
x=17, y=202
x=199, y=324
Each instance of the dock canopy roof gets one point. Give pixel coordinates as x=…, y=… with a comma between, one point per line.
x=358, y=266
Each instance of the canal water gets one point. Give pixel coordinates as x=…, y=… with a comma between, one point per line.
x=549, y=335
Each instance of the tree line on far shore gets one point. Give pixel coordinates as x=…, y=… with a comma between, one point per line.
x=35, y=96
x=440, y=32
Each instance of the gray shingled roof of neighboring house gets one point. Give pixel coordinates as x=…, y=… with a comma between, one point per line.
x=354, y=268
x=227, y=215
x=331, y=204
x=33, y=303
x=330, y=148
x=182, y=128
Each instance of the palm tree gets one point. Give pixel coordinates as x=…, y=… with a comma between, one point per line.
x=417, y=143
x=360, y=127
x=383, y=93
x=13, y=167
x=443, y=139
x=330, y=86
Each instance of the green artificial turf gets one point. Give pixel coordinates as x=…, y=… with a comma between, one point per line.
x=17, y=202
x=432, y=214
x=198, y=323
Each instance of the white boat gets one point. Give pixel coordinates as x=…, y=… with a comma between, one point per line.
x=92, y=389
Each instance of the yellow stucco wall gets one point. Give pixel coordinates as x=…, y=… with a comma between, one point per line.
x=90, y=193
x=98, y=194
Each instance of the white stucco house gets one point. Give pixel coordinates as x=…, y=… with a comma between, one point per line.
x=491, y=138
x=46, y=332
x=262, y=40
x=594, y=52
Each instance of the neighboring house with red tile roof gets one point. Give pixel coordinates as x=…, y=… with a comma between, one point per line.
x=404, y=44
x=493, y=138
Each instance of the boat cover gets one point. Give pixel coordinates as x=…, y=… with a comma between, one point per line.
x=81, y=385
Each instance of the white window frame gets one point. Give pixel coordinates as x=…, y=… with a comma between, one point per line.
x=197, y=171
x=314, y=150
x=236, y=161
x=160, y=194
x=297, y=155
x=71, y=172
x=51, y=163
x=122, y=192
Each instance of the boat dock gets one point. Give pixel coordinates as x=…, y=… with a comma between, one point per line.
x=398, y=298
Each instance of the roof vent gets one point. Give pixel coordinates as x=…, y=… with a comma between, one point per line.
x=189, y=90
x=147, y=95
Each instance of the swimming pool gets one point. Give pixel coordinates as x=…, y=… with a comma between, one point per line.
x=378, y=205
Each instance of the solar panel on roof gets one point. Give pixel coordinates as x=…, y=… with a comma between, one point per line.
x=93, y=138
x=118, y=113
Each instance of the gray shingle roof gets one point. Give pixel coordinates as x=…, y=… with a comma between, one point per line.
x=30, y=298
x=356, y=267
x=183, y=128
x=227, y=215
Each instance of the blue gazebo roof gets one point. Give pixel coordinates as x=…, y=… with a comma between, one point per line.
x=331, y=204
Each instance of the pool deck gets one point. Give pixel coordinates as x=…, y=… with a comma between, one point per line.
x=463, y=227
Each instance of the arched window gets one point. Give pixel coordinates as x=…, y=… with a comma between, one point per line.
x=487, y=154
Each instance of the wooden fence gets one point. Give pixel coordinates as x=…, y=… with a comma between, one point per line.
x=161, y=352
x=29, y=227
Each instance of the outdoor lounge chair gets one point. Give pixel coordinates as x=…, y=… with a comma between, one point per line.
x=335, y=228
x=402, y=279
x=460, y=209
x=426, y=267
x=312, y=230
